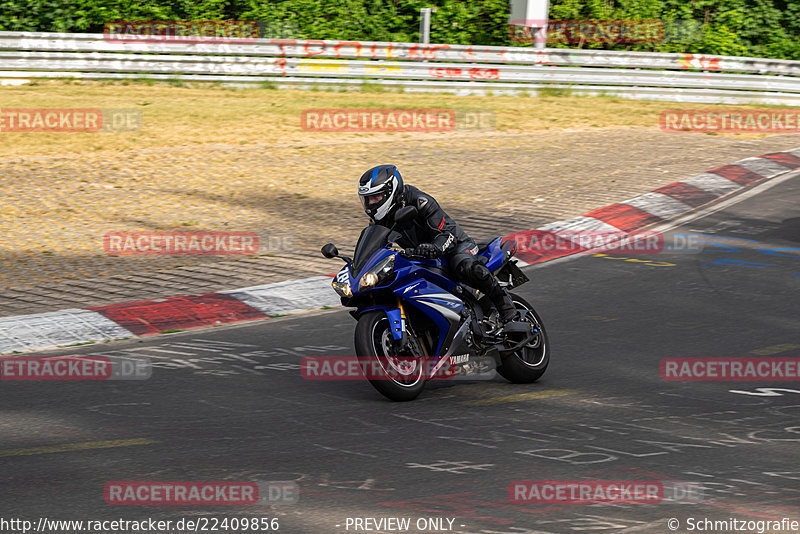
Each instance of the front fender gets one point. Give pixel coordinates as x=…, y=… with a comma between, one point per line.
x=395, y=315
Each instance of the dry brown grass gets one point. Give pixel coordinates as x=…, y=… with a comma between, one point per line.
x=211, y=158
x=201, y=115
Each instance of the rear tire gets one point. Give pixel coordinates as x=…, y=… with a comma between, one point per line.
x=373, y=341
x=530, y=362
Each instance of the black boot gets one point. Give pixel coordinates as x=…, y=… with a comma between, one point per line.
x=476, y=274
x=502, y=301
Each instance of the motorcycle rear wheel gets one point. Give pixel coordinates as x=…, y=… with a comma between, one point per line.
x=529, y=363
x=399, y=377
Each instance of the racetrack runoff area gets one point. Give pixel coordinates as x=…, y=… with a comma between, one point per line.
x=228, y=160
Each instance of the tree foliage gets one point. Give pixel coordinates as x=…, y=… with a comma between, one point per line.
x=761, y=28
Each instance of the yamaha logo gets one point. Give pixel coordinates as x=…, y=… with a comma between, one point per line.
x=459, y=358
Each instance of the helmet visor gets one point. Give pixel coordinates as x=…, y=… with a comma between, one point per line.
x=373, y=200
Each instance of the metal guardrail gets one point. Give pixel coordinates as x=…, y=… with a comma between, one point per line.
x=414, y=67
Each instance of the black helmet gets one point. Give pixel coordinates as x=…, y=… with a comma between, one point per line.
x=380, y=189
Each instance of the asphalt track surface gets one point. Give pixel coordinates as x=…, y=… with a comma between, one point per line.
x=229, y=404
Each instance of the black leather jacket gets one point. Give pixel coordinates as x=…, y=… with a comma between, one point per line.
x=432, y=225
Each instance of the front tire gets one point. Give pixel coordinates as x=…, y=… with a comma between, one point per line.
x=402, y=377
x=529, y=363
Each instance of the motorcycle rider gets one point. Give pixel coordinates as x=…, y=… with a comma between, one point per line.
x=432, y=234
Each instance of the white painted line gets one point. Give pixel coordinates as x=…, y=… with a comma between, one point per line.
x=56, y=329
x=658, y=204
x=579, y=223
x=713, y=183
x=795, y=152
x=765, y=167
x=290, y=296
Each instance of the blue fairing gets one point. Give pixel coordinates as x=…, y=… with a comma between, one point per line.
x=495, y=255
x=378, y=256
x=418, y=284
x=433, y=300
x=395, y=319
x=439, y=263
x=413, y=283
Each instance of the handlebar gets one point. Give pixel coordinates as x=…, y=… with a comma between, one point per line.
x=407, y=253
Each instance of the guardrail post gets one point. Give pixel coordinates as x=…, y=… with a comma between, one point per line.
x=425, y=24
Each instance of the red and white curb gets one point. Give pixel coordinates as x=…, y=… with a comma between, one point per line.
x=25, y=333
x=664, y=203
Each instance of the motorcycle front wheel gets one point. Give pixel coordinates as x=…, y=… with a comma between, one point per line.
x=399, y=377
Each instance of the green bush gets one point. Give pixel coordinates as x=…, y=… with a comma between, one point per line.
x=761, y=28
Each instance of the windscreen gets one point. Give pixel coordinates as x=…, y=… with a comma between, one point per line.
x=371, y=239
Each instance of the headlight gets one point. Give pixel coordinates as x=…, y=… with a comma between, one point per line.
x=368, y=280
x=378, y=272
x=342, y=288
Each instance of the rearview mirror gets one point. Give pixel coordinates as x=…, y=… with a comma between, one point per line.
x=330, y=251
x=393, y=237
x=405, y=215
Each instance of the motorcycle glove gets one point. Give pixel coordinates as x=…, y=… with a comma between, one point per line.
x=428, y=251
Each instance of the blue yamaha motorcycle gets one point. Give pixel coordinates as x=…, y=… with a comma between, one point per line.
x=415, y=324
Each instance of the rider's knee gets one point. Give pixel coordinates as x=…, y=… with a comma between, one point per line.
x=474, y=272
